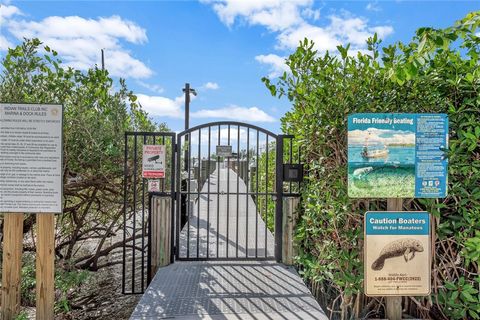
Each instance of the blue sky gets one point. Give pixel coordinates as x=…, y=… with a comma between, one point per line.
x=222, y=48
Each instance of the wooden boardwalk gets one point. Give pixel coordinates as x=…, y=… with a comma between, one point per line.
x=207, y=224
x=226, y=290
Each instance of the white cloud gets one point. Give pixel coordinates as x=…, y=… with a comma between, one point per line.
x=79, y=41
x=276, y=64
x=373, y=6
x=161, y=106
x=324, y=40
x=233, y=112
x=293, y=21
x=273, y=14
x=309, y=13
x=340, y=30
x=7, y=11
x=5, y=44
x=152, y=87
x=210, y=86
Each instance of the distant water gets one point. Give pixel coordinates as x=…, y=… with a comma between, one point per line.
x=397, y=156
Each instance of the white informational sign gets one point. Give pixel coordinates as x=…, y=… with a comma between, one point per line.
x=154, y=185
x=31, y=156
x=153, y=161
x=224, y=151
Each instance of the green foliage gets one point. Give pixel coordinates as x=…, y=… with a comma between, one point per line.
x=460, y=300
x=438, y=71
x=23, y=315
x=97, y=112
x=66, y=282
x=27, y=284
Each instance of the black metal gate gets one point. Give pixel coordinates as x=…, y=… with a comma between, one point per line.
x=136, y=217
x=227, y=202
x=226, y=185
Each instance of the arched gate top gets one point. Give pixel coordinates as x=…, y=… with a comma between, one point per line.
x=226, y=123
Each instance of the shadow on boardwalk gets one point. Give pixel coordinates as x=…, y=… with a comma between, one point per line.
x=227, y=290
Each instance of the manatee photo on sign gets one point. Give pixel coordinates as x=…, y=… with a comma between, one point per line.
x=397, y=253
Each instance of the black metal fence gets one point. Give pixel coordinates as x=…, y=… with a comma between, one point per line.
x=224, y=206
x=136, y=218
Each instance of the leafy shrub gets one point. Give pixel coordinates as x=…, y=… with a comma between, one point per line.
x=438, y=71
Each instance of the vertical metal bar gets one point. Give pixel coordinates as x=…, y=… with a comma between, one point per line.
x=198, y=190
x=125, y=206
x=279, y=206
x=178, y=216
x=266, y=192
x=238, y=183
x=188, y=191
x=218, y=193
x=290, y=161
x=134, y=210
x=149, y=254
x=165, y=165
x=256, y=198
x=172, y=197
x=247, y=195
x=299, y=161
x=143, y=224
x=228, y=193
x=208, y=191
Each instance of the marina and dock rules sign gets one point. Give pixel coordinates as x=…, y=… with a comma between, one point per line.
x=31, y=157
x=397, y=253
x=153, y=161
x=397, y=155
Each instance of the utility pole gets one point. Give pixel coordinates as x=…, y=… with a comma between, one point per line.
x=187, y=90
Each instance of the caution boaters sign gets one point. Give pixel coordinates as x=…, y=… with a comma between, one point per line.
x=397, y=253
x=153, y=161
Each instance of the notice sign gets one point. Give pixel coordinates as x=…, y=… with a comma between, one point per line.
x=154, y=185
x=397, y=253
x=397, y=155
x=31, y=158
x=153, y=161
x=224, y=151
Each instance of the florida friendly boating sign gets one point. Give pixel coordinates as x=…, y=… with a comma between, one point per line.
x=397, y=253
x=397, y=155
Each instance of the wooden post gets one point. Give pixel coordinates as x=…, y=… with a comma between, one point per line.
x=12, y=264
x=161, y=232
x=45, y=266
x=394, y=304
x=289, y=223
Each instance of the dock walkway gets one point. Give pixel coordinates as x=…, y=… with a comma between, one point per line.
x=227, y=289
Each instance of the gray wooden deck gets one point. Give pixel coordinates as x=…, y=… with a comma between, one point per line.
x=227, y=289
x=210, y=224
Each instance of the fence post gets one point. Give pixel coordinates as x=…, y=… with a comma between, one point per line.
x=45, y=266
x=393, y=305
x=160, y=229
x=279, y=200
x=12, y=264
x=290, y=207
